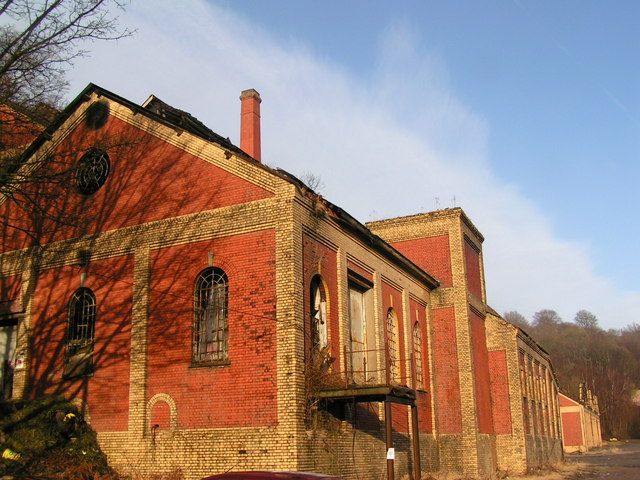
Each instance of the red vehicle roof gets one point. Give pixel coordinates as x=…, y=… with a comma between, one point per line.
x=271, y=476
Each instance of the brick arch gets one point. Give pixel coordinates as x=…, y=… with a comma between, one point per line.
x=224, y=263
x=158, y=399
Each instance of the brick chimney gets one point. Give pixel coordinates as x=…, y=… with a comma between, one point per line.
x=250, y=122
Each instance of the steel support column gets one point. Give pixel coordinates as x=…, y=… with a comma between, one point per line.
x=388, y=438
x=415, y=443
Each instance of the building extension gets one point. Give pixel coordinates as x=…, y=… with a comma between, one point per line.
x=580, y=421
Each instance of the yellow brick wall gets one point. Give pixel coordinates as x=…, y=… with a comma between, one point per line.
x=520, y=452
x=470, y=452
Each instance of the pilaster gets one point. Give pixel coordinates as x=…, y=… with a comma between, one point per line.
x=138, y=361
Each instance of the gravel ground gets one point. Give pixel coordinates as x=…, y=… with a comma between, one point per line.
x=615, y=461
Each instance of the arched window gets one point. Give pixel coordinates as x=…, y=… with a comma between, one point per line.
x=82, y=320
x=417, y=355
x=211, y=327
x=392, y=346
x=318, y=314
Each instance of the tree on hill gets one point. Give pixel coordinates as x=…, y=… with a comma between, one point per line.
x=546, y=318
x=586, y=319
x=516, y=318
x=608, y=362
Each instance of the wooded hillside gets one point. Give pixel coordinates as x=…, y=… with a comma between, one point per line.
x=607, y=361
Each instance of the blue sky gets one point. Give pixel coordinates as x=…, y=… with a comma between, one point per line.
x=558, y=82
x=528, y=113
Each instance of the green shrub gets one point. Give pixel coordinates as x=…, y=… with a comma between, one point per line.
x=52, y=440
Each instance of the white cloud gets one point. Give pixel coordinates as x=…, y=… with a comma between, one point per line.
x=385, y=146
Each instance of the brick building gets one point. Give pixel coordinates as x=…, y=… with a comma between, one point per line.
x=448, y=244
x=211, y=313
x=580, y=421
x=524, y=391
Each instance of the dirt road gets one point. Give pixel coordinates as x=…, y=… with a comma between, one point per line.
x=615, y=461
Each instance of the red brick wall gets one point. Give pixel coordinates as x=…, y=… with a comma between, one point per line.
x=392, y=298
x=359, y=270
x=17, y=129
x=571, y=429
x=432, y=254
x=106, y=392
x=320, y=259
x=160, y=415
x=10, y=298
x=400, y=420
x=567, y=402
x=424, y=400
x=366, y=417
x=472, y=267
x=212, y=397
x=481, y=373
x=499, y=378
x=423, y=403
x=148, y=180
x=446, y=373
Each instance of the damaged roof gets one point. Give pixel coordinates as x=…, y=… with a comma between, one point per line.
x=184, y=120
x=162, y=112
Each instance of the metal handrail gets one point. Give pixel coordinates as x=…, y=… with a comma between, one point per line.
x=367, y=375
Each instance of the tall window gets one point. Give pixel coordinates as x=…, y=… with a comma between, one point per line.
x=211, y=326
x=392, y=346
x=82, y=319
x=417, y=355
x=525, y=415
x=318, y=314
x=360, y=364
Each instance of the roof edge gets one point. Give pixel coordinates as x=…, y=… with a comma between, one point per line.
x=345, y=219
x=442, y=213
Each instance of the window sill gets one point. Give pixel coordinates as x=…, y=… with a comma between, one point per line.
x=77, y=366
x=210, y=364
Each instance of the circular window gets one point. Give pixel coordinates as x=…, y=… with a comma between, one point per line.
x=92, y=171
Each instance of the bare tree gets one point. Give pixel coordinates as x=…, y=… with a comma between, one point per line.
x=546, y=318
x=586, y=319
x=516, y=318
x=608, y=362
x=39, y=39
x=313, y=181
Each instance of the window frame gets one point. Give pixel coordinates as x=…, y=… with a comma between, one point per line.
x=393, y=347
x=360, y=357
x=80, y=336
x=417, y=355
x=92, y=171
x=318, y=314
x=85, y=320
x=210, y=318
